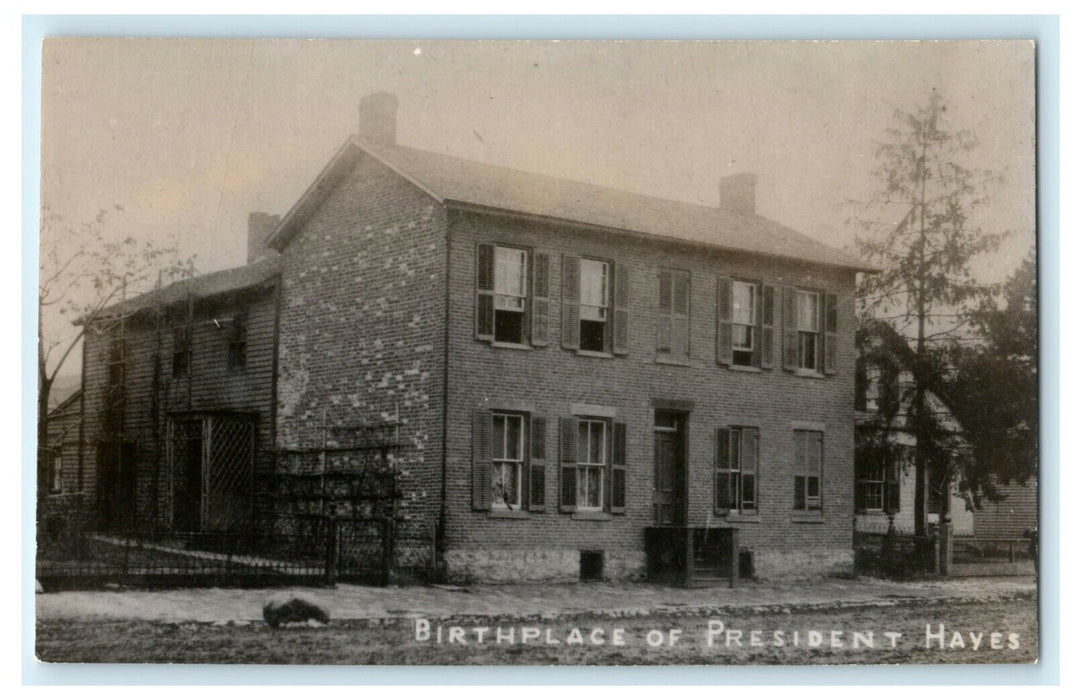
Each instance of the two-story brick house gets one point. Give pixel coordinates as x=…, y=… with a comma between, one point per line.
x=566, y=367
x=572, y=364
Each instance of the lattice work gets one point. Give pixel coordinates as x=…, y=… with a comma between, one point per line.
x=184, y=444
x=230, y=472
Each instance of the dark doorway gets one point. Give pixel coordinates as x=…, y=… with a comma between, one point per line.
x=116, y=485
x=669, y=468
x=186, y=462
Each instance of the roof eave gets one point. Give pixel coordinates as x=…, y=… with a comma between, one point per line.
x=476, y=207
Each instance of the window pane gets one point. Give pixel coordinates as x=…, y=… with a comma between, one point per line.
x=510, y=271
x=596, y=443
x=743, y=302
x=734, y=462
x=807, y=350
x=498, y=431
x=742, y=337
x=513, y=448
x=594, y=291
x=592, y=487
x=808, y=311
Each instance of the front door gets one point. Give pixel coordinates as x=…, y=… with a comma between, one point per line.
x=669, y=469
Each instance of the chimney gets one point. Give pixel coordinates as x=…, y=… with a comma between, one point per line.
x=258, y=229
x=376, y=117
x=737, y=193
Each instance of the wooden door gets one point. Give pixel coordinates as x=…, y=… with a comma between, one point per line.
x=669, y=470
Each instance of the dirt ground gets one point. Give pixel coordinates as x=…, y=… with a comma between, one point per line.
x=973, y=632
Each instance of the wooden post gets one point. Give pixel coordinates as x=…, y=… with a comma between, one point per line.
x=1010, y=551
x=947, y=546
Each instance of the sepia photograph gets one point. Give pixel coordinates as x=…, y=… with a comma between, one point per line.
x=529, y=353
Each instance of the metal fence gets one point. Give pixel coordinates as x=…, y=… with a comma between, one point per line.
x=312, y=551
x=896, y=555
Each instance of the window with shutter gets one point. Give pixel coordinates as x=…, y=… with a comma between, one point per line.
x=737, y=467
x=808, y=468
x=569, y=302
x=790, y=328
x=511, y=299
x=594, y=304
x=539, y=330
x=723, y=321
x=768, y=326
x=621, y=310
x=236, y=349
x=508, y=460
x=831, y=302
x=810, y=336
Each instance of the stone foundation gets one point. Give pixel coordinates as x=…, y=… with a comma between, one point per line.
x=773, y=564
x=530, y=565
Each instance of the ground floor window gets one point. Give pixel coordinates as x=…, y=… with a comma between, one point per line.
x=508, y=450
x=808, y=469
x=737, y=457
x=592, y=460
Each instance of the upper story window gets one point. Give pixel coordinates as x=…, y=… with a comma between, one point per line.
x=744, y=322
x=595, y=298
x=512, y=295
x=510, y=287
x=593, y=305
x=55, y=474
x=809, y=331
x=181, y=351
x=236, y=348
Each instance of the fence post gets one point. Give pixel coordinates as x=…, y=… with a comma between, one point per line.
x=947, y=547
x=331, y=558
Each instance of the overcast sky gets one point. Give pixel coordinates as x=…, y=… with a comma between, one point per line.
x=189, y=136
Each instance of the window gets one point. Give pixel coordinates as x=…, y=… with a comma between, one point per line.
x=808, y=467
x=673, y=301
x=508, y=442
x=592, y=458
x=737, y=456
x=878, y=486
x=809, y=331
x=510, y=290
x=595, y=296
x=117, y=355
x=181, y=351
x=55, y=474
x=744, y=321
x=593, y=306
x=236, y=347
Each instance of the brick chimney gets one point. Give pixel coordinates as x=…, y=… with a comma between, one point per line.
x=737, y=193
x=376, y=117
x=258, y=228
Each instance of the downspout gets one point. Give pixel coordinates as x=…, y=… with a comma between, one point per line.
x=274, y=391
x=442, y=524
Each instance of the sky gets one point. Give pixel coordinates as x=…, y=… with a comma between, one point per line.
x=190, y=136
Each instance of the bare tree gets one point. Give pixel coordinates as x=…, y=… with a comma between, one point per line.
x=920, y=228
x=82, y=274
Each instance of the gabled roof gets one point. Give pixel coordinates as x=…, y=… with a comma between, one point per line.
x=211, y=284
x=456, y=181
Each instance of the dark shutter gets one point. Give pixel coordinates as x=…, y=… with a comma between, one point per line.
x=618, y=472
x=482, y=457
x=539, y=317
x=799, y=492
x=486, y=297
x=680, y=315
x=723, y=320
x=663, y=328
x=723, y=498
x=537, y=464
x=568, y=459
x=768, y=326
x=790, y=328
x=570, y=331
x=621, y=311
x=749, y=458
x=831, y=303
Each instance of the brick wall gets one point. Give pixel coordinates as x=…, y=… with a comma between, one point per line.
x=551, y=379
x=361, y=323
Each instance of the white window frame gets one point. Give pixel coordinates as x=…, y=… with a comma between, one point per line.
x=506, y=300
x=585, y=465
x=502, y=464
x=814, y=504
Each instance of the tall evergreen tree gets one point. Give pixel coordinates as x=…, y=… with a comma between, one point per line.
x=919, y=228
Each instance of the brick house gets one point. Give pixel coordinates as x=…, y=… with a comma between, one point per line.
x=568, y=366
x=572, y=363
